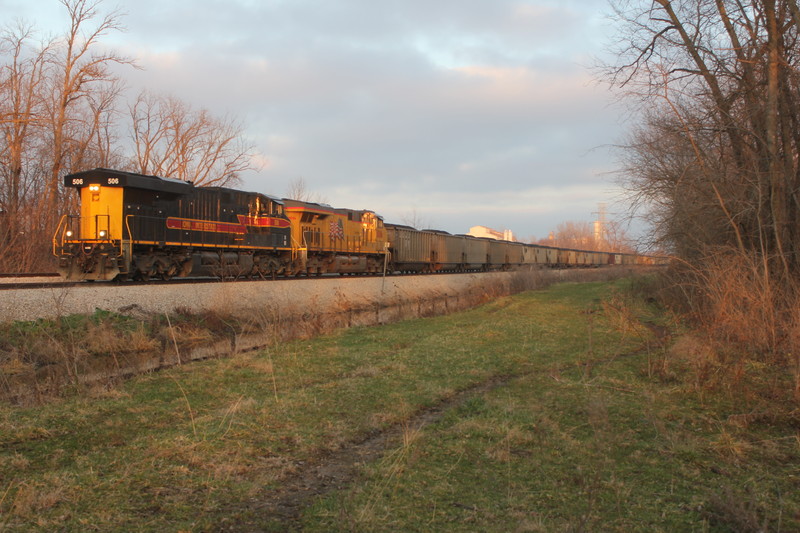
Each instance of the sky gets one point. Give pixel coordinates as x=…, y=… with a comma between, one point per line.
x=446, y=113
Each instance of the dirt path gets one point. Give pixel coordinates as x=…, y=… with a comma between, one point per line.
x=336, y=470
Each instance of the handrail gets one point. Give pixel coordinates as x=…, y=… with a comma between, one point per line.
x=297, y=248
x=97, y=227
x=130, y=238
x=55, y=235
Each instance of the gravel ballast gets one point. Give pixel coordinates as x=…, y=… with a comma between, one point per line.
x=324, y=295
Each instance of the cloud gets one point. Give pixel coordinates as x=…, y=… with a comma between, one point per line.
x=471, y=110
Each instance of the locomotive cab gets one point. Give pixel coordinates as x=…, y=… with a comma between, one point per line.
x=96, y=244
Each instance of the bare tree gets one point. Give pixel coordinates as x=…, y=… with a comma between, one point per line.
x=21, y=106
x=79, y=69
x=616, y=238
x=716, y=158
x=417, y=220
x=718, y=152
x=298, y=190
x=582, y=235
x=21, y=126
x=101, y=146
x=170, y=139
x=57, y=105
x=572, y=234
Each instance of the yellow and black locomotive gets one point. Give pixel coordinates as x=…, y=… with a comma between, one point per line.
x=138, y=226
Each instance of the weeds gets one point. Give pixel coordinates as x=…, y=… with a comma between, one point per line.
x=731, y=509
x=54, y=356
x=743, y=334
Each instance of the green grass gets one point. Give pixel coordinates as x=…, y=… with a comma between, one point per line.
x=589, y=432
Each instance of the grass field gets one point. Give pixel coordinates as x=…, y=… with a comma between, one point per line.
x=555, y=410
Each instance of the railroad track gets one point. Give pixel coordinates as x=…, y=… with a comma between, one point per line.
x=44, y=281
x=27, y=280
x=57, y=282
x=28, y=275
x=52, y=280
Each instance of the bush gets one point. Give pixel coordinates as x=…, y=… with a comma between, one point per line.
x=746, y=317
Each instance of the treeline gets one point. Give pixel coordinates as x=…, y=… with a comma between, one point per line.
x=64, y=107
x=606, y=236
x=715, y=161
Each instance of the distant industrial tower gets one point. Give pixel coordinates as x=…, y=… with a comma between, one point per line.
x=600, y=232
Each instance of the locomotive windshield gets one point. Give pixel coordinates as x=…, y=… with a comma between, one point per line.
x=262, y=206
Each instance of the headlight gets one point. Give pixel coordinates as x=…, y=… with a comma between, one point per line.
x=69, y=233
x=94, y=187
x=102, y=233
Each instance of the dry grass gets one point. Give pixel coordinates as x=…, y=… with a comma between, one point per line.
x=737, y=511
x=32, y=498
x=738, y=302
x=12, y=365
x=185, y=334
x=620, y=310
x=103, y=338
x=700, y=357
x=743, y=303
x=745, y=319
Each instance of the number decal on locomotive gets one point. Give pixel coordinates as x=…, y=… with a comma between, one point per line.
x=113, y=181
x=77, y=181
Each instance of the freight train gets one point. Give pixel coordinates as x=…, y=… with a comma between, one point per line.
x=135, y=226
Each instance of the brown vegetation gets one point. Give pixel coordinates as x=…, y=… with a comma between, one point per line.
x=742, y=320
x=601, y=236
x=715, y=162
